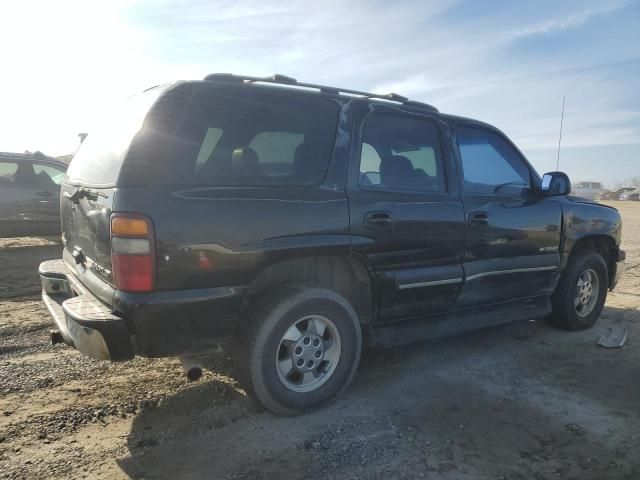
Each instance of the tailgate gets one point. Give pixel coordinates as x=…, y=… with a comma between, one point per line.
x=85, y=214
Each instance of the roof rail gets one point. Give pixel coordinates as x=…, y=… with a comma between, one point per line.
x=284, y=80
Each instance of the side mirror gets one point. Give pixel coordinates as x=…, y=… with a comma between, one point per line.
x=556, y=183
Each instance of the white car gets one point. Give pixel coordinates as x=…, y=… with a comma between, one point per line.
x=587, y=189
x=631, y=195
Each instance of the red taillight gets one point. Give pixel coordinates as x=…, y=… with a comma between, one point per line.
x=132, y=253
x=132, y=273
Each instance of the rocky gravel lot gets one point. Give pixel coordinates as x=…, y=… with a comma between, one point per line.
x=524, y=401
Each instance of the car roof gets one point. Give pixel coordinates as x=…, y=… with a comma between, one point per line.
x=291, y=85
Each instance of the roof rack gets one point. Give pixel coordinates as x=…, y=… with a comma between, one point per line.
x=284, y=80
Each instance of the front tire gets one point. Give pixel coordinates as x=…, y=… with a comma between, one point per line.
x=297, y=349
x=579, y=298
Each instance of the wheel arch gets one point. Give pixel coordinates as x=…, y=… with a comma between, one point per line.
x=344, y=274
x=603, y=244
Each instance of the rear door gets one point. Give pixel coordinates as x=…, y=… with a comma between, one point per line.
x=406, y=218
x=513, y=234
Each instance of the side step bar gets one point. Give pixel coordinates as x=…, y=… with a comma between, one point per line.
x=410, y=331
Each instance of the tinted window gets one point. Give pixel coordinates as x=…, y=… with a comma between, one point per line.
x=250, y=137
x=401, y=153
x=7, y=172
x=277, y=151
x=24, y=174
x=48, y=175
x=490, y=164
x=211, y=139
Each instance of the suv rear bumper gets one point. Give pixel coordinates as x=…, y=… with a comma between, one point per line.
x=83, y=321
x=159, y=324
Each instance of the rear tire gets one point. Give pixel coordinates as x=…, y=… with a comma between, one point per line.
x=297, y=349
x=579, y=298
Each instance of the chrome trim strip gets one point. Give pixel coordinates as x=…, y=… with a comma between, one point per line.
x=432, y=283
x=514, y=270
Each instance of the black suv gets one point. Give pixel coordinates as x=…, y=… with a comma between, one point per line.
x=306, y=221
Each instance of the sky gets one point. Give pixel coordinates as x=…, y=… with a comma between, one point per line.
x=504, y=62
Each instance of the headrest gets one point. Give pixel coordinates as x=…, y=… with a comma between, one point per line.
x=24, y=173
x=244, y=161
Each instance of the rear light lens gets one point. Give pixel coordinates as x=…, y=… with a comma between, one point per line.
x=129, y=226
x=132, y=253
x=133, y=273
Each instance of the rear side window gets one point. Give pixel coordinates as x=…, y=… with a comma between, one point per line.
x=401, y=153
x=211, y=139
x=277, y=151
x=251, y=137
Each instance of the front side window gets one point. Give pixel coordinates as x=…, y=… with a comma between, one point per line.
x=489, y=164
x=401, y=154
x=48, y=175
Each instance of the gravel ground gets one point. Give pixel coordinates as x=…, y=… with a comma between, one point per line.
x=524, y=401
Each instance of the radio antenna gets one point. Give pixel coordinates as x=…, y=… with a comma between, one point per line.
x=560, y=137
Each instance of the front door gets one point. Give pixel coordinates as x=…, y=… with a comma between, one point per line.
x=405, y=218
x=513, y=233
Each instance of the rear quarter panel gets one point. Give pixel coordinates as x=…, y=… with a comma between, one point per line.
x=223, y=236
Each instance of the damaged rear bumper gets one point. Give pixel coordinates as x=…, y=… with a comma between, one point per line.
x=156, y=324
x=82, y=320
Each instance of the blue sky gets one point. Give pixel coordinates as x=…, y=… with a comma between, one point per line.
x=508, y=63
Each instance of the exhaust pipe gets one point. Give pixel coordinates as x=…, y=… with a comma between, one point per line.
x=56, y=337
x=192, y=369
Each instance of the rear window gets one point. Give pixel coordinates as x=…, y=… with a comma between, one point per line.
x=99, y=158
x=243, y=136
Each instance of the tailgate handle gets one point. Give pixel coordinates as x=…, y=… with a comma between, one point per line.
x=83, y=192
x=74, y=197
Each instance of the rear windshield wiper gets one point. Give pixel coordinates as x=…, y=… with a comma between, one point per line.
x=82, y=192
